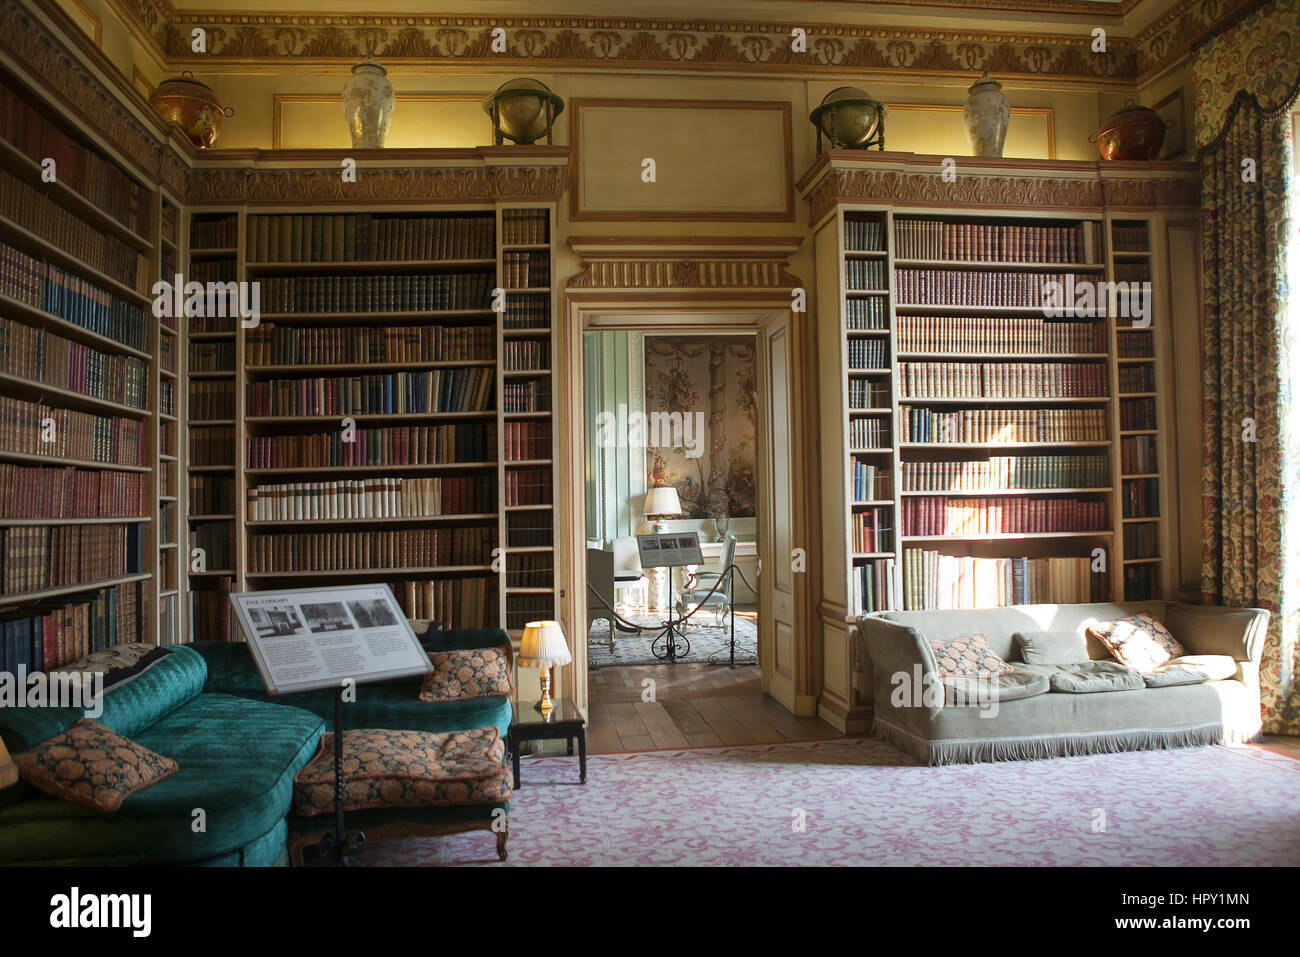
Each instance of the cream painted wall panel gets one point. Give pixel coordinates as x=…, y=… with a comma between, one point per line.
x=1030, y=135
x=708, y=160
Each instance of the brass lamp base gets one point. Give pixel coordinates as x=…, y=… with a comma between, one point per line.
x=545, y=705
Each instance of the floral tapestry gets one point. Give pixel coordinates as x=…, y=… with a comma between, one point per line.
x=1251, y=440
x=712, y=380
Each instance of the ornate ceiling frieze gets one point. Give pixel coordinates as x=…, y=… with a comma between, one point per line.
x=681, y=273
x=1171, y=36
x=30, y=44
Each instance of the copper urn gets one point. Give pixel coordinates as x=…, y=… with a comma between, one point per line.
x=1132, y=133
x=192, y=106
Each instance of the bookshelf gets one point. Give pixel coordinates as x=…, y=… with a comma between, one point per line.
x=78, y=391
x=993, y=450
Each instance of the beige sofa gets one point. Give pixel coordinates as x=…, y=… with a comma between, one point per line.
x=936, y=728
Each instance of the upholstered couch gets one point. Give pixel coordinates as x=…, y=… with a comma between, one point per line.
x=238, y=750
x=939, y=721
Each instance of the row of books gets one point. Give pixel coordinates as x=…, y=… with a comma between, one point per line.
x=1140, y=540
x=48, y=492
x=372, y=549
x=379, y=497
x=212, y=445
x=452, y=602
x=214, y=539
x=166, y=526
x=521, y=609
x=166, y=397
x=1137, y=454
x=526, y=312
x=206, y=271
x=530, y=570
x=398, y=445
x=209, y=324
x=1141, y=582
x=1007, y=472
x=994, y=242
x=532, y=395
x=37, y=557
x=40, y=356
x=406, y=292
x=398, y=393
x=524, y=227
x=1132, y=272
x=1141, y=498
x=932, y=581
x=869, y=482
x=359, y=237
x=94, y=177
x=210, y=616
x=526, y=487
x=525, y=355
x=34, y=211
x=1008, y=335
x=214, y=232
x=46, y=287
x=1134, y=345
x=526, y=270
x=211, y=495
x=873, y=585
x=167, y=354
x=868, y=354
x=1137, y=414
x=526, y=441
x=34, y=428
x=55, y=634
x=1131, y=239
x=872, y=530
x=1002, y=379
x=1140, y=378
x=969, y=287
x=529, y=529
x=870, y=433
x=1010, y=515
x=212, y=399
x=269, y=344
x=869, y=394
x=865, y=275
x=863, y=235
x=866, y=313
x=1003, y=425
x=171, y=218
x=214, y=356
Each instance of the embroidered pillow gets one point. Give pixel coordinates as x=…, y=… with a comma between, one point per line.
x=457, y=675
x=968, y=657
x=92, y=765
x=1140, y=642
x=406, y=769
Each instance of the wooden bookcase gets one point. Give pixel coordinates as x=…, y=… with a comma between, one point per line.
x=80, y=440
x=930, y=317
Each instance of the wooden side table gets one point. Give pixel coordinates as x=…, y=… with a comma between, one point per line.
x=566, y=722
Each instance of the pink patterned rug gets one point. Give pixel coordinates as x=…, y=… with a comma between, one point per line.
x=857, y=801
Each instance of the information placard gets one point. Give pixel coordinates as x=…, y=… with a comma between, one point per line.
x=670, y=549
x=308, y=638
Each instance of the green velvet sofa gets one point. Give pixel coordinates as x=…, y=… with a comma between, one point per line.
x=238, y=750
x=1033, y=719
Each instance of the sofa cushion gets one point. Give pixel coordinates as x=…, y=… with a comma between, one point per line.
x=124, y=655
x=385, y=768
x=92, y=765
x=967, y=657
x=1089, y=677
x=1191, y=670
x=975, y=692
x=1141, y=641
x=1052, y=647
x=457, y=675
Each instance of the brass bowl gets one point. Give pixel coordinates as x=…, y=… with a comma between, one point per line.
x=523, y=110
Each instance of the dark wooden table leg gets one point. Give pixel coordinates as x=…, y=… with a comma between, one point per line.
x=582, y=755
x=569, y=746
x=514, y=757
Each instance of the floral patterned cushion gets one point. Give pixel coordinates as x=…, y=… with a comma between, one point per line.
x=1140, y=642
x=119, y=656
x=968, y=657
x=92, y=765
x=406, y=769
x=456, y=675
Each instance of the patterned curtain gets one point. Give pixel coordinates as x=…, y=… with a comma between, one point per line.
x=1251, y=460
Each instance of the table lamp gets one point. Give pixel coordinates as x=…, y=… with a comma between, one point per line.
x=543, y=645
x=661, y=503
x=8, y=770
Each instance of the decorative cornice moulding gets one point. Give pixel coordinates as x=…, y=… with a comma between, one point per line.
x=670, y=263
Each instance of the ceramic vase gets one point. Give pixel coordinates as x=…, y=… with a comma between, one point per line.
x=986, y=117
x=368, y=105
